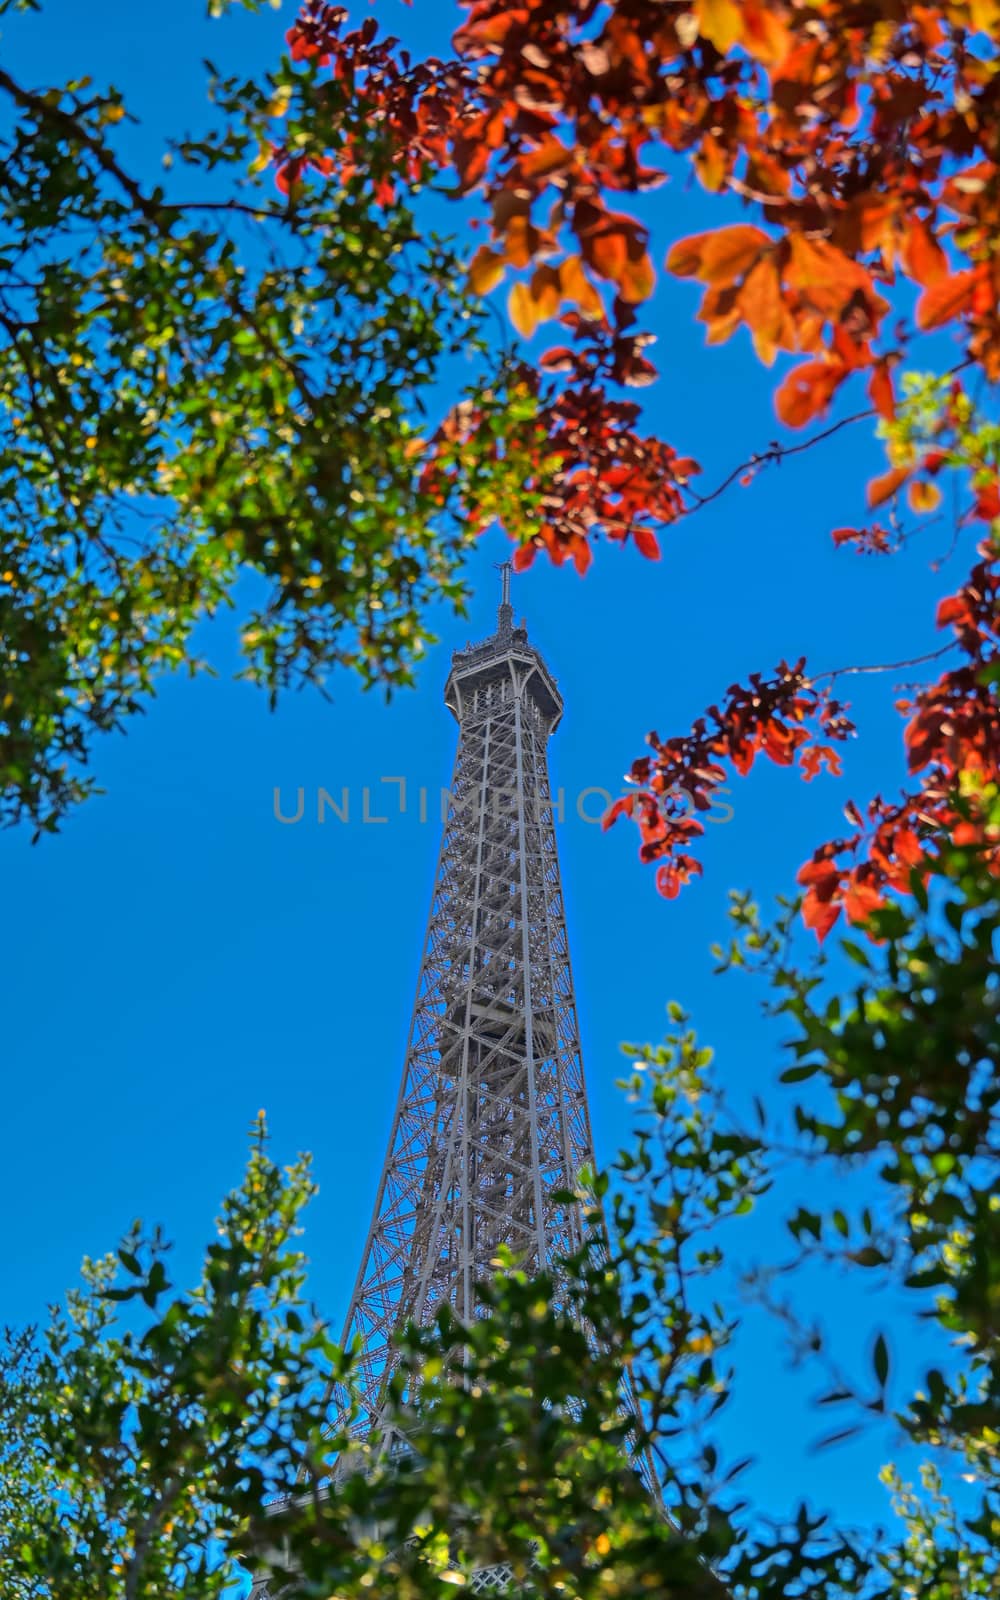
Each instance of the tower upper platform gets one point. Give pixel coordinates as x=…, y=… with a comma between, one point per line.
x=503, y=664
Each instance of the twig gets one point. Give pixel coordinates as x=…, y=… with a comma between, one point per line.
x=777, y=452
x=887, y=666
x=73, y=130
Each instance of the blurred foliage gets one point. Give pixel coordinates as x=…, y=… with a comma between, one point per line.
x=149, y=1440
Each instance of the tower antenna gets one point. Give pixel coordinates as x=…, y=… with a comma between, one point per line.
x=505, y=616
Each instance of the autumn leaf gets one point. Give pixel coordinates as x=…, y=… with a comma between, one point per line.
x=860, y=900
x=646, y=543
x=807, y=390
x=523, y=309
x=923, y=496
x=946, y=298
x=883, y=488
x=623, y=807
x=923, y=257
x=559, y=359
x=820, y=915
x=485, y=270
x=730, y=252
x=548, y=157
x=684, y=257
x=638, y=279
x=763, y=309
x=821, y=880
x=545, y=292
x=880, y=391
x=765, y=36
x=711, y=163
x=720, y=22
x=577, y=288
x=605, y=249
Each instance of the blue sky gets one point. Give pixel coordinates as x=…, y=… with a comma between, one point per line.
x=177, y=958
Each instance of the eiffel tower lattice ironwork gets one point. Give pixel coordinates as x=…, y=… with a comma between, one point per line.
x=491, y=1122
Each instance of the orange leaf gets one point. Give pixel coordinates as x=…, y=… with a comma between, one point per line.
x=880, y=392
x=719, y=21
x=922, y=255
x=548, y=157
x=906, y=847
x=721, y=311
x=923, y=496
x=605, y=249
x=684, y=257
x=520, y=240
x=860, y=901
x=485, y=270
x=545, y=292
x=883, y=488
x=638, y=279
x=583, y=555
x=577, y=288
x=826, y=276
x=730, y=252
x=523, y=310
x=765, y=36
x=807, y=390
x=646, y=543
x=946, y=298
x=872, y=214
x=711, y=163
x=953, y=608
x=763, y=308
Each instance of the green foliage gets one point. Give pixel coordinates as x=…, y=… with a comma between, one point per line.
x=131, y=1449
x=227, y=384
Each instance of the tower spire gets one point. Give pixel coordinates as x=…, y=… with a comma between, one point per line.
x=505, y=615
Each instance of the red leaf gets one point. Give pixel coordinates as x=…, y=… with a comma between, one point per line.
x=558, y=359
x=954, y=609
x=819, y=915
x=646, y=543
x=880, y=392
x=808, y=390
x=860, y=901
x=621, y=808
x=821, y=878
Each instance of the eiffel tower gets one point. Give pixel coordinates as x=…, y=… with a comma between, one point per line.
x=491, y=1122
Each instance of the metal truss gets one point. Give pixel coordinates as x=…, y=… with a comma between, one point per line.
x=491, y=1120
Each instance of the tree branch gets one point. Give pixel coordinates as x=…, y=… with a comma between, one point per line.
x=887, y=666
x=776, y=452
